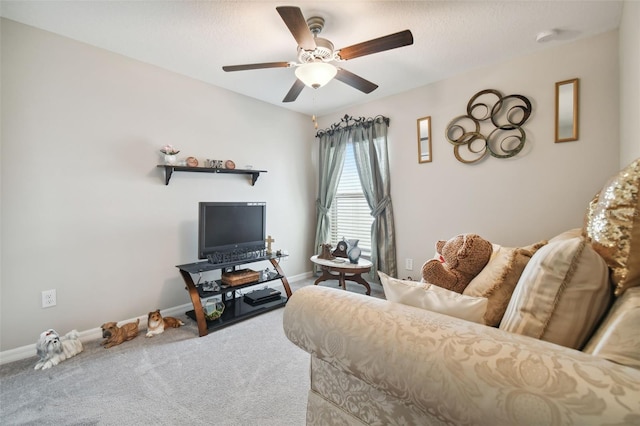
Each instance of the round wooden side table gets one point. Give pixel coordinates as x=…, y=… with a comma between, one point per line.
x=342, y=270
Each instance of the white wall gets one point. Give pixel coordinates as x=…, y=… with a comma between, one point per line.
x=532, y=196
x=629, y=83
x=85, y=210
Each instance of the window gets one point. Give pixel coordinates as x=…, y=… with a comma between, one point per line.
x=350, y=214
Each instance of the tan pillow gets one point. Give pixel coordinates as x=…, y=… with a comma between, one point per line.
x=613, y=225
x=617, y=337
x=571, y=233
x=562, y=294
x=433, y=298
x=498, y=279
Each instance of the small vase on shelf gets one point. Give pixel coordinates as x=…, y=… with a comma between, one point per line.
x=170, y=160
x=213, y=309
x=170, y=155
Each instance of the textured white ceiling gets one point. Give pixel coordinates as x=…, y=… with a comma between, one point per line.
x=196, y=38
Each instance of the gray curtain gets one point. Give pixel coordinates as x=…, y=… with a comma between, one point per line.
x=331, y=158
x=372, y=160
x=369, y=138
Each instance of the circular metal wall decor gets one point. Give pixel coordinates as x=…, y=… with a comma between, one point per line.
x=507, y=114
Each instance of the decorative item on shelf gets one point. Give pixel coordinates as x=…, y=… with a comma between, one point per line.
x=325, y=252
x=214, y=164
x=169, y=153
x=229, y=164
x=507, y=114
x=213, y=308
x=269, y=240
x=210, y=286
x=341, y=249
x=353, y=251
x=240, y=276
x=192, y=162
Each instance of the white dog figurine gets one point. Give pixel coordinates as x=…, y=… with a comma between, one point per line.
x=53, y=349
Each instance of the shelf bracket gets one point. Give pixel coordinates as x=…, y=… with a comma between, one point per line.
x=168, y=171
x=254, y=178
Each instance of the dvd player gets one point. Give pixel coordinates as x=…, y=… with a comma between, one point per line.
x=258, y=297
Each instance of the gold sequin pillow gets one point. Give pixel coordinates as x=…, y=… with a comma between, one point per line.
x=613, y=225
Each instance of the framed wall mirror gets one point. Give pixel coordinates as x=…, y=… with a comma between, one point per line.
x=567, y=110
x=424, y=140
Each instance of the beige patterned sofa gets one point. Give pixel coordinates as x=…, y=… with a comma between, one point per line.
x=574, y=361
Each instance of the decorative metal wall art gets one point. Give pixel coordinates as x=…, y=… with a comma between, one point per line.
x=505, y=139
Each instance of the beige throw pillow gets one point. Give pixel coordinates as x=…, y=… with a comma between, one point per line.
x=433, y=298
x=571, y=233
x=617, y=337
x=499, y=277
x=562, y=294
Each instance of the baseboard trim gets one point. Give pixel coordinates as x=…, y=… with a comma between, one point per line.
x=29, y=351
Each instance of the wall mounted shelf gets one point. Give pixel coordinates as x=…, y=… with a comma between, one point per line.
x=168, y=171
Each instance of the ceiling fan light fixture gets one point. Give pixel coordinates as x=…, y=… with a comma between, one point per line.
x=316, y=74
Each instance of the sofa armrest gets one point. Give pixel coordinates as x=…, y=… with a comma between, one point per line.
x=458, y=371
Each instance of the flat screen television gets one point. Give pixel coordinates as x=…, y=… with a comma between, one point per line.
x=227, y=226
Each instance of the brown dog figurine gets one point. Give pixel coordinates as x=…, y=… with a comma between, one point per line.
x=326, y=252
x=156, y=324
x=115, y=335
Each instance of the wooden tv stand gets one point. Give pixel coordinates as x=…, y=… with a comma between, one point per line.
x=235, y=308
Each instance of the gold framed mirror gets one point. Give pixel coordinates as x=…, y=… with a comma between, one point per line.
x=424, y=140
x=567, y=110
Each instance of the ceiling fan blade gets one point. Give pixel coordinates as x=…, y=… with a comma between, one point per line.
x=391, y=41
x=355, y=81
x=245, y=67
x=294, y=91
x=293, y=18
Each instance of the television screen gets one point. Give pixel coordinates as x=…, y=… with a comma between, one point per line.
x=226, y=226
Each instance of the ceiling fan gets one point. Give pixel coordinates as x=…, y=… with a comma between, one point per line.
x=313, y=68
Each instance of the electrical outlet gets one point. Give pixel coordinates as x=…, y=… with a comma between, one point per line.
x=408, y=264
x=48, y=298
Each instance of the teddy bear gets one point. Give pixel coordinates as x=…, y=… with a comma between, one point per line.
x=461, y=258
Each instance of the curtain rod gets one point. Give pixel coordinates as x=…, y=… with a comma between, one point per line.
x=348, y=122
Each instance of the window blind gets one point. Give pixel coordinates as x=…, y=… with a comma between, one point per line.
x=350, y=214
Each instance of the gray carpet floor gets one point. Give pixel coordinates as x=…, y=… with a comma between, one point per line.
x=246, y=374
